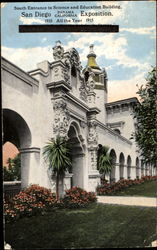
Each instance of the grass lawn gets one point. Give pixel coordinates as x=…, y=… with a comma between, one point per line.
x=98, y=226
x=147, y=189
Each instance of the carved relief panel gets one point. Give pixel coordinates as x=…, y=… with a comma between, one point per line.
x=62, y=118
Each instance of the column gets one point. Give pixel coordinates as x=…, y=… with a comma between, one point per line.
x=125, y=175
x=117, y=175
x=30, y=166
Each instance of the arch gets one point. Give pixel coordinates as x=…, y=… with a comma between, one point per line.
x=129, y=167
x=137, y=167
x=86, y=75
x=77, y=155
x=113, y=161
x=121, y=165
x=73, y=71
x=117, y=131
x=15, y=129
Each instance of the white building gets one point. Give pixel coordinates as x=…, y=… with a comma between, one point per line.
x=62, y=98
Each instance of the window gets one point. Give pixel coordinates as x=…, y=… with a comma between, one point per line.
x=117, y=131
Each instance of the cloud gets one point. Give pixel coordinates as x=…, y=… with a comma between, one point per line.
x=44, y=40
x=118, y=89
x=109, y=7
x=27, y=58
x=26, y=20
x=109, y=46
x=141, y=31
x=123, y=89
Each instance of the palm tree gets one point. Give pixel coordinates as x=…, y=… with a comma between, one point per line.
x=57, y=154
x=104, y=164
x=10, y=163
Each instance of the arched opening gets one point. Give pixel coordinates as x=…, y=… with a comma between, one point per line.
x=17, y=132
x=15, y=129
x=129, y=167
x=77, y=157
x=113, y=161
x=142, y=168
x=146, y=169
x=137, y=168
x=73, y=71
x=121, y=165
x=117, y=131
x=11, y=162
x=86, y=75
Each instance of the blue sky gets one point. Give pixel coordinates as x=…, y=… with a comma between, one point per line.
x=127, y=55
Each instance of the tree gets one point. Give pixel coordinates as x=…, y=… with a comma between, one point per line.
x=104, y=164
x=57, y=154
x=13, y=171
x=17, y=167
x=146, y=115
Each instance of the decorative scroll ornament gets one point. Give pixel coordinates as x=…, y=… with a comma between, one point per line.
x=93, y=143
x=62, y=118
x=58, y=51
x=74, y=58
x=91, y=82
x=93, y=156
x=66, y=75
x=83, y=91
x=92, y=134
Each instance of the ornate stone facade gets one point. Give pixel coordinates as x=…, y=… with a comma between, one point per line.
x=61, y=118
x=74, y=102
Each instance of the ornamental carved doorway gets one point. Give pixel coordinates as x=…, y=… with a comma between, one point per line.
x=77, y=157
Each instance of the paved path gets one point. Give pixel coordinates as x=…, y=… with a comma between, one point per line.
x=128, y=200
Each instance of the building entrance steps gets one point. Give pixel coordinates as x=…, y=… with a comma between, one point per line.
x=128, y=200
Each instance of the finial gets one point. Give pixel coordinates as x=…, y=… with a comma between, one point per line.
x=91, y=58
x=91, y=48
x=58, y=51
x=58, y=43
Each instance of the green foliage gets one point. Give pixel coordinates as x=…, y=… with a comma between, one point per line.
x=13, y=171
x=104, y=164
x=146, y=116
x=57, y=154
x=77, y=197
x=123, y=185
x=31, y=201
x=35, y=200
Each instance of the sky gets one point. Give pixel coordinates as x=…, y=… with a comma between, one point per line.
x=127, y=55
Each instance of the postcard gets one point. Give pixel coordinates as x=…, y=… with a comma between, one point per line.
x=71, y=71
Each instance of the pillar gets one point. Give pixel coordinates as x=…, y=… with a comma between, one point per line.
x=30, y=166
x=117, y=175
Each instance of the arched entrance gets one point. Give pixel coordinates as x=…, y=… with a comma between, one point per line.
x=129, y=167
x=16, y=131
x=77, y=156
x=113, y=161
x=137, y=168
x=142, y=168
x=121, y=165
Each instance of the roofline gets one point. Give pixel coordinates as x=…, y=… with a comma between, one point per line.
x=131, y=99
x=14, y=65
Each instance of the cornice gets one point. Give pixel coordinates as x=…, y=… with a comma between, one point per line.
x=121, y=102
x=101, y=125
x=19, y=73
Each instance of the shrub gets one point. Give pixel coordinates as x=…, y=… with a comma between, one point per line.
x=38, y=200
x=31, y=201
x=106, y=188
x=42, y=195
x=76, y=197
